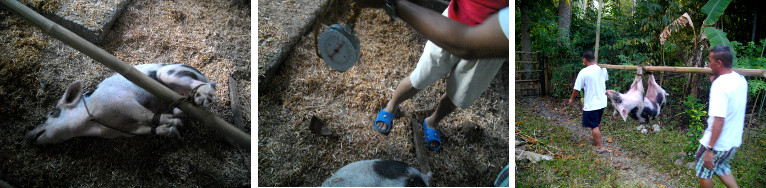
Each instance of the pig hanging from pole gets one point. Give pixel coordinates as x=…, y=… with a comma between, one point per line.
x=638, y=106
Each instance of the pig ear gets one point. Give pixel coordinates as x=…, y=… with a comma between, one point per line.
x=624, y=113
x=72, y=95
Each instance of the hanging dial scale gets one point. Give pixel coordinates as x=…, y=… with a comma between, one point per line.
x=338, y=46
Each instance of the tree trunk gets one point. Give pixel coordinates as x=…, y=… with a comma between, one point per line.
x=526, y=42
x=763, y=100
x=755, y=20
x=696, y=61
x=598, y=28
x=565, y=20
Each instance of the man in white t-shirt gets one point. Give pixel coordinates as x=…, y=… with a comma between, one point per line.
x=723, y=136
x=592, y=79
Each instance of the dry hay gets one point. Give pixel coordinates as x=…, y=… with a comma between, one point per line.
x=212, y=36
x=20, y=56
x=46, y=6
x=289, y=154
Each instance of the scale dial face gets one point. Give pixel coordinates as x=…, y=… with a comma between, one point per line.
x=339, y=48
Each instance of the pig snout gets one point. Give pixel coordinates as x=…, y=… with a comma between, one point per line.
x=614, y=96
x=33, y=135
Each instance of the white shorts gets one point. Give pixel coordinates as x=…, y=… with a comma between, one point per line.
x=468, y=80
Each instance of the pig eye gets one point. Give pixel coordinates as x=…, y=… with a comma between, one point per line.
x=55, y=113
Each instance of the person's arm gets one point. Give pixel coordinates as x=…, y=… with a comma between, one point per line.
x=484, y=40
x=708, y=155
x=578, y=85
x=717, y=109
x=574, y=94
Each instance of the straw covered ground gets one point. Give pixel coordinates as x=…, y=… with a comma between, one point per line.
x=475, y=139
x=213, y=36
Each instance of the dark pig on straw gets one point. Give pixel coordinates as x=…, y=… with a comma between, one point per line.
x=378, y=173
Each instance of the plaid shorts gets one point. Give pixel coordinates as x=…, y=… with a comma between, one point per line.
x=721, y=162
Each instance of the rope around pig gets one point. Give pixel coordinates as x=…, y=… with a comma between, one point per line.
x=93, y=119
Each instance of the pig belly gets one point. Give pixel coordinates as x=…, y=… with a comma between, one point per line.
x=647, y=113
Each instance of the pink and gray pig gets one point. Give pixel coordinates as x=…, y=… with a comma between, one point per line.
x=635, y=104
x=378, y=173
x=118, y=108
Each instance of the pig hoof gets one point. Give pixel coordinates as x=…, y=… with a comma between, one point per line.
x=656, y=128
x=168, y=130
x=169, y=119
x=178, y=113
x=644, y=131
x=204, y=95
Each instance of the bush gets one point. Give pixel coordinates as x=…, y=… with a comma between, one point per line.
x=694, y=110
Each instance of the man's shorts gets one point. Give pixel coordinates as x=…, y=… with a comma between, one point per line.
x=592, y=118
x=721, y=162
x=468, y=78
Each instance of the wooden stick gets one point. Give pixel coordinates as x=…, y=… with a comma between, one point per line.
x=236, y=113
x=744, y=72
x=126, y=70
x=420, y=150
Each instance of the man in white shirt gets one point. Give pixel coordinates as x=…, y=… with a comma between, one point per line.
x=723, y=136
x=593, y=79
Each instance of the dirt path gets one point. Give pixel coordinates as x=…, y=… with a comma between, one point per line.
x=633, y=172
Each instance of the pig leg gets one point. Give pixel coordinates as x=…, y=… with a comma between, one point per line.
x=143, y=117
x=178, y=113
x=637, y=86
x=181, y=85
x=654, y=92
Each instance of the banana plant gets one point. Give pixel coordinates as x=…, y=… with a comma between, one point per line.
x=713, y=9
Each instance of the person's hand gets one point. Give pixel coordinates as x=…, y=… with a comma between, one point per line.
x=707, y=159
x=370, y=3
x=570, y=102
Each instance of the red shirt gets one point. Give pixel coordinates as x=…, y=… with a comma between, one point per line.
x=474, y=12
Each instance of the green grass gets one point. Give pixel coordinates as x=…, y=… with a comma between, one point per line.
x=749, y=163
x=584, y=169
x=658, y=150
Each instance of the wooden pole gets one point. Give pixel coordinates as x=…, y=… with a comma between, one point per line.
x=236, y=117
x=744, y=72
x=127, y=71
x=420, y=151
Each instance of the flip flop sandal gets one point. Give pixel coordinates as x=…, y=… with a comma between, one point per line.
x=387, y=118
x=432, y=136
x=603, y=150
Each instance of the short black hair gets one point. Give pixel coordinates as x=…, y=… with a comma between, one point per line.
x=588, y=55
x=723, y=53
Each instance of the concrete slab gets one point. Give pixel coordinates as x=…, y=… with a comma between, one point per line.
x=90, y=19
x=280, y=26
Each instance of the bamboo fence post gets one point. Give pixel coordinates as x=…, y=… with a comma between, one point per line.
x=130, y=73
